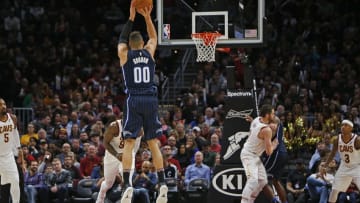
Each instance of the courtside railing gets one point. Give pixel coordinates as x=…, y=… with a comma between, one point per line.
x=24, y=116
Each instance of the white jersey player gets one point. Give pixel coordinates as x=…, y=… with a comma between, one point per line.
x=114, y=145
x=259, y=141
x=348, y=145
x=9, y=143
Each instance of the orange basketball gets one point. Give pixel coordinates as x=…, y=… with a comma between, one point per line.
x=139, y=4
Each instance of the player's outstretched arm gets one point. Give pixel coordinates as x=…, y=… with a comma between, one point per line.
x=124, y=36
x=111, y=132
x=152, y=42
x=333, y=151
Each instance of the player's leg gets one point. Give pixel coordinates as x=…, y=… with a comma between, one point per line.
x=5, y=193
x=280, y=190
x=152, y=129
x=275, y=166
x=256, y=177
x=10, y=175
x=341, y=183
x=132, y=125
x=111, y=169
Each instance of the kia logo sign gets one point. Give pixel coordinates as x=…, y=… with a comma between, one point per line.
x=230, y=181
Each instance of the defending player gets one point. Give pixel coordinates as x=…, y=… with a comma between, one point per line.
x=114, y=145
x=141, y=107
x=9, y=143
x=258, y=142
x=348, y=145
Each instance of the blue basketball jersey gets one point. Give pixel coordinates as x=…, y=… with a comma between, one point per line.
x=138, y=73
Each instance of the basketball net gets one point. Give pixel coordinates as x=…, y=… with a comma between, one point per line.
x=205, y=43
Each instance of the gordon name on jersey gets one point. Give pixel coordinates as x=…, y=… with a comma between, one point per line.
x=141, y=59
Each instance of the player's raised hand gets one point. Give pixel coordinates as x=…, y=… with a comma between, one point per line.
x=146, y=11
x=132, y=10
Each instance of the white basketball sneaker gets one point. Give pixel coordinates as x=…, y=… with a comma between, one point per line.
x=162, y=197
x=127, y=195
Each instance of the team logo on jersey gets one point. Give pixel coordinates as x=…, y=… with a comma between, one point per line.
x=230, y=181
x=238, y=114
x=234, y=143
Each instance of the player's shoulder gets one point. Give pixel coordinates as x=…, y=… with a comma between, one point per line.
x=13, y=117
x=114, y=126
x=266, y=128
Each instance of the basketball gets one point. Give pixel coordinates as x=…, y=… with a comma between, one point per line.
x=139, y=4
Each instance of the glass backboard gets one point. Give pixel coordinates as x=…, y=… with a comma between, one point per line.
x=239, y=21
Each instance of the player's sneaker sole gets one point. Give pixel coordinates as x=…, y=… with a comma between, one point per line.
x=162, y=197
x=127, y=196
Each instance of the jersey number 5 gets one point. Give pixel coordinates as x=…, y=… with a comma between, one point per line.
x=142, y=75
x=6, y=137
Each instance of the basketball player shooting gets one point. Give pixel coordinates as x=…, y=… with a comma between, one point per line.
x=9, y=144
x=141, y=106
x=348, y=145
x=114, y=145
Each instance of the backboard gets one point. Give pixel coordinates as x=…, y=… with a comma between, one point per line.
x=239, y=21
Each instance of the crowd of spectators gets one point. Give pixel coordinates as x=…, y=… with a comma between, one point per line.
x=59, y=58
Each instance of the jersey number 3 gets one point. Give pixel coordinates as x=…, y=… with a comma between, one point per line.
x=142, y=75
x=347, y=158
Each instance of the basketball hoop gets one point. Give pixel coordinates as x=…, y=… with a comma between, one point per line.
x=205, y=45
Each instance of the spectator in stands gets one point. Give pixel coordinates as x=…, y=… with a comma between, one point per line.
x=74, y=132
x=183, y=157
x=180, y=133
x=209, y=116
x=177, y=118
x=59, y=183
x=319, y=184
x=191, y=147
x=172, y=143
x=65, y=149
x=200, y=141
x=34, y=183
x=95, y=140
x=34, y=147
x=46, y=161
x=77, y=149
x=215, y=146
x=74, y=171
x=170, y=170
x=197, y=170
x=31, y=132
x=42, y=134
x=84, y=138
x=26, y=154
x=89, y=162
x=146, y=155
x=320, y=153
x=205, y=131
x=208, y=155
x=295, y=183
x=167, y=154
x=145, y=181
x=43, y=146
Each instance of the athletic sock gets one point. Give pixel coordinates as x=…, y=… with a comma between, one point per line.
x=161, y=176
x=126, y=175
